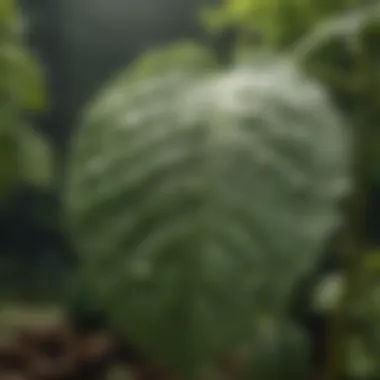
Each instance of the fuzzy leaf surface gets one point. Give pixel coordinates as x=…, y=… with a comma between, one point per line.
x=199, y=200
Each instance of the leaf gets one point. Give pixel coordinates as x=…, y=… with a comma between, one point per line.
x=7, y=8
x=21, y=80
x=197, y=202
x=280, y=22
x=328, y=293
x=24, y=82
x=36, y=158
x=343, y=53
x=21, y=90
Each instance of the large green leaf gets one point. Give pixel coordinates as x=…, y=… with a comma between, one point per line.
x=199, y=200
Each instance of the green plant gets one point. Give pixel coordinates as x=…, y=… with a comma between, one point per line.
x=173, y=200
x=343, y=53
x=200, y=196
x=25, y=156
x=280, y=23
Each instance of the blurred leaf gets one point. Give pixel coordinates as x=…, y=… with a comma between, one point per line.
x=21, y=90
x=328, y=293
x=24, y=82
x=21, y=79
x=7, y=9
x=360, y=365
x=280, y=22
x=24, y=158
x=371, y=262
x=174, y=200
x=344, y=54
x=36, y=158
x=365, y=315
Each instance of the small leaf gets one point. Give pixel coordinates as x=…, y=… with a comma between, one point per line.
x=343, y=54
x=328, y=293
x=21, y=79
x=24, y=82
x=281, y=22
x=36, y=158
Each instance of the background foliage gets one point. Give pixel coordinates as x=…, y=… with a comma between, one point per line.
x=24, y=156
x=27, y=161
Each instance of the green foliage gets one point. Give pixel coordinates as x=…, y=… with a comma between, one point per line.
x=36, y=158
x=279, y=22
x=174, y=203
x=364, y=315
x=25, y=156
x=7, y=12
x=344, y=54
